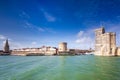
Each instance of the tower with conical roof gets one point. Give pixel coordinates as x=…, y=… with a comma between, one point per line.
x=6, y=47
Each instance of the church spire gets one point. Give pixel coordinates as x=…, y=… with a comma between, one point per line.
x=6, y=47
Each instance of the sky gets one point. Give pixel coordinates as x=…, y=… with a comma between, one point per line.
x=34, y=23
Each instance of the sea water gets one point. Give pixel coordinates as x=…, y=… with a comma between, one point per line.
x=84, y=67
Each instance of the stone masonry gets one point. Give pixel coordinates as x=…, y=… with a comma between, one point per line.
x=105, y=43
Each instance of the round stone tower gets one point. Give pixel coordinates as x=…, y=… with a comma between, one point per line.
x=62, y=47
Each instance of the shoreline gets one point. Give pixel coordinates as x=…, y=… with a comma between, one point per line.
x=34, y=54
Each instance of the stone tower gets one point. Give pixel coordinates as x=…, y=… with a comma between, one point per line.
x=6, y=47
x=105, y=43
x=62, y=47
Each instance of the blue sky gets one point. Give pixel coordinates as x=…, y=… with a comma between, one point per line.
x=34, y=23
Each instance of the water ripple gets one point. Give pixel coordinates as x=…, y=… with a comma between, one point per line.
x=59, y=68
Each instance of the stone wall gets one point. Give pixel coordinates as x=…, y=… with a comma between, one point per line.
x=105, y=43
x=24, y=53
x=118, y=51
x=62, y=47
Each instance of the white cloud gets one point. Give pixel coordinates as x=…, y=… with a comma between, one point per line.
x=33, y=27
x=80, y=33
x=48, y=16
x=19, y=45
x=40, y=29
x=2, y=37
x=49, y=30
x=15, y=45
x=23, y=14
x=29, y=25
x=34, y=43
x=85, y=39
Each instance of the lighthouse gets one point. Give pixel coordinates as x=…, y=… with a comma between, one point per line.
x=6, y=47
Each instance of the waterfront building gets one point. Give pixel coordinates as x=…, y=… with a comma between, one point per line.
x=44, y=50
x=62, y=47
x=105, y=43
x=48, y=50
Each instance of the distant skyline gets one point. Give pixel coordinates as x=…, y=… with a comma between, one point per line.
x=34, y=23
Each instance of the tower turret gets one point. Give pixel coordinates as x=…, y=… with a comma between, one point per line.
x=63, y=47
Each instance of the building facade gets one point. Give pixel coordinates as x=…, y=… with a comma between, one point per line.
x=105, y=43
x=62, y=47
x=44, y=50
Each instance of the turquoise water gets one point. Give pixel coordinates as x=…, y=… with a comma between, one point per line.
x=59, y=68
